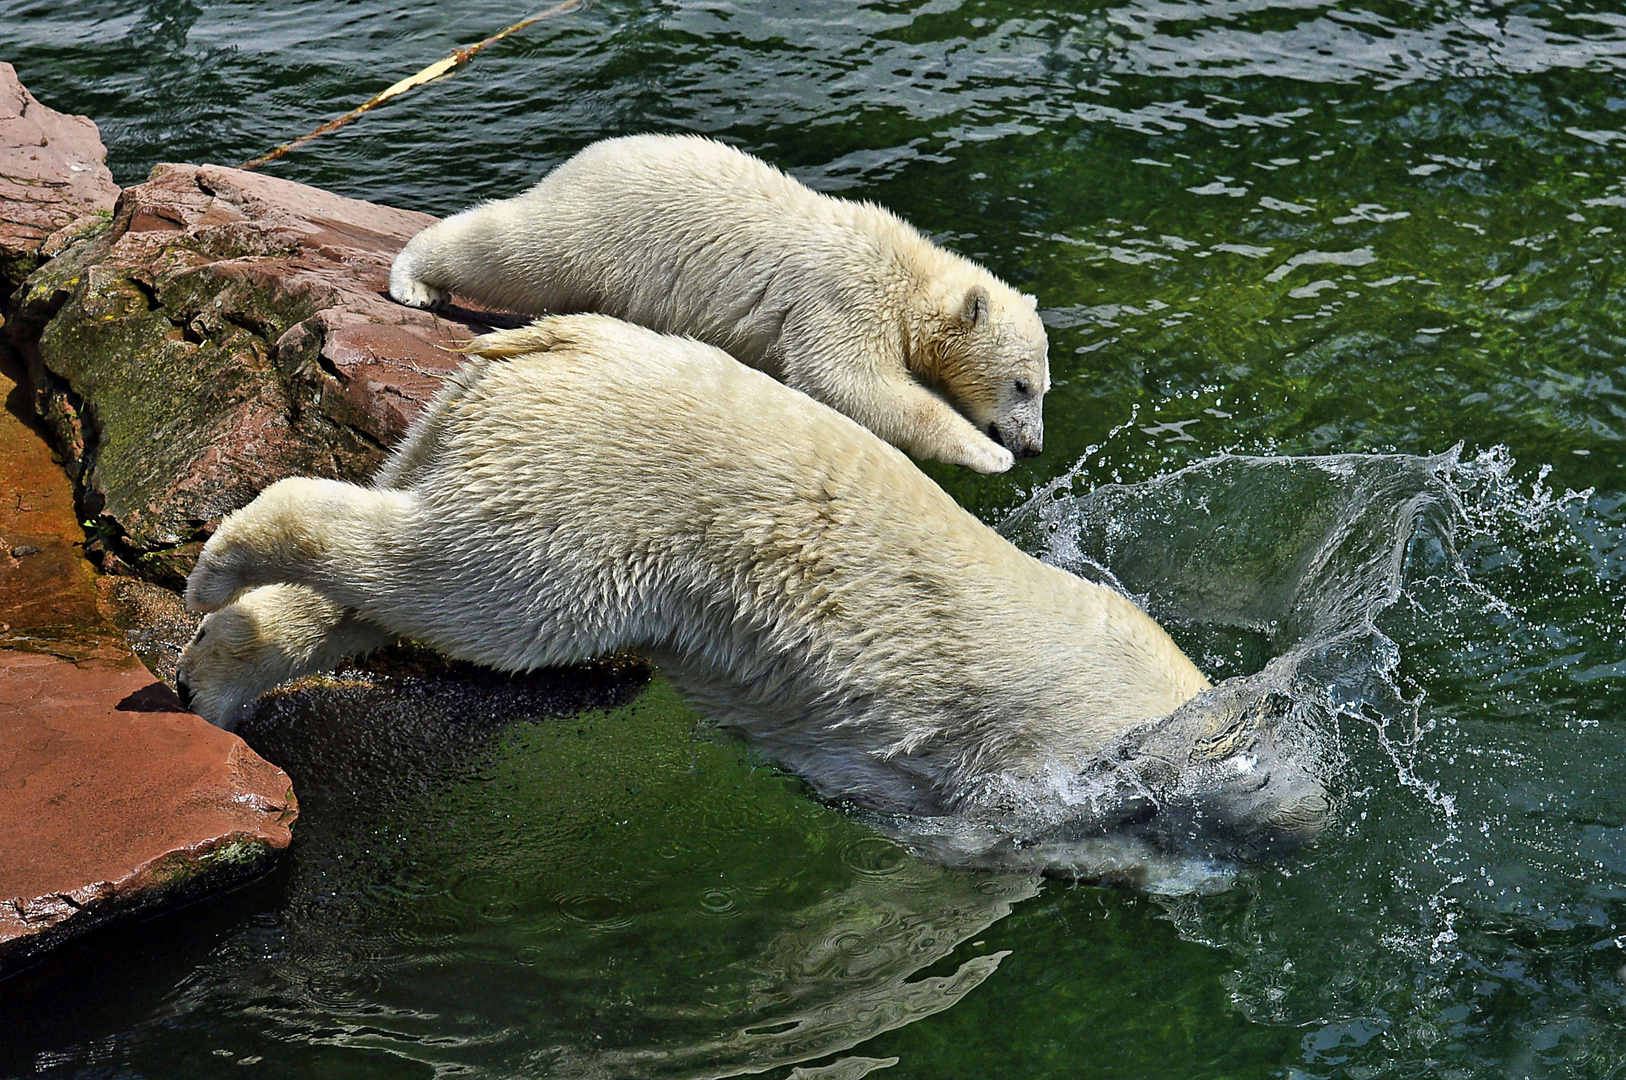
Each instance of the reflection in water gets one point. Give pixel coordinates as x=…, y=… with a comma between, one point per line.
x=492, y=875
x=839, y=973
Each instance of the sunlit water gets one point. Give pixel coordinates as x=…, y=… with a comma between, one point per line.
x=1284, y=232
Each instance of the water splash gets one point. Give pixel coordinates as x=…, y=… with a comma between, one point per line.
x=1274, y=573
x=1475, y=861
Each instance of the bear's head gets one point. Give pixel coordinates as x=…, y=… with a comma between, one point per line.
x=991, y=358
x=1237, y=768
x=241, y=651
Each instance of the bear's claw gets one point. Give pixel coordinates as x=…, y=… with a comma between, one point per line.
x=416, y=294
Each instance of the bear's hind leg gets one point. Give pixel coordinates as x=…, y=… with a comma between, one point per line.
x=406, y=281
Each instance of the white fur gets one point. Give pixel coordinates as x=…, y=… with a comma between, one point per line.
x=842, y=300
x=269, y=636
x=599, y=487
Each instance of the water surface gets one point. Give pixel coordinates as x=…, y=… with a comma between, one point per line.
x=1277, y=230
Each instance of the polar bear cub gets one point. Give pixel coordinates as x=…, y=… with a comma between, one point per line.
x=799, y=578
x=842, y=300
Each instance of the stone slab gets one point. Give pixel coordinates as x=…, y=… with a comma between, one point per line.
x=52, y=172
x=113, y=799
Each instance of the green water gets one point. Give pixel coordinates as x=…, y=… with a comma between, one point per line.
x=1293, y=228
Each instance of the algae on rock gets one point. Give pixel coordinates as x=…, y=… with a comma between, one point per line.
x=221, y=331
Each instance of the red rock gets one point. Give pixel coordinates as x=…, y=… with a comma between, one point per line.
x=228, y=329
x=48, y=598
x=112, y=799
x=51, y=172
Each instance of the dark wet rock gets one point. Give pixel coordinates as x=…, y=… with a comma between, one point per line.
x=51, y=174
x=154, y=620
x=221, y=331
x=113, y=800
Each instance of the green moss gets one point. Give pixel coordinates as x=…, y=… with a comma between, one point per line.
x=165, y=370
x=14, y=269
x=235, y=858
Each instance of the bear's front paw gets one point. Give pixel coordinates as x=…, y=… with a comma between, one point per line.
x=215, y=581
x=414, y=293
x=988, y=457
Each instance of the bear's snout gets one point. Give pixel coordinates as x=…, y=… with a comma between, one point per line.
x=1023, y=440
x=183, y=691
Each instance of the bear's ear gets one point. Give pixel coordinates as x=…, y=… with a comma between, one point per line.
x=974, y=311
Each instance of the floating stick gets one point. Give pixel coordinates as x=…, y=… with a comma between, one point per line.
x=433, y=71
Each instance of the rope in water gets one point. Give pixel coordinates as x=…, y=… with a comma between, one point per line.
x=434, y=71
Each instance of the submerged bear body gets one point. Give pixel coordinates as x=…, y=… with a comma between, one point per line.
x=842, y=300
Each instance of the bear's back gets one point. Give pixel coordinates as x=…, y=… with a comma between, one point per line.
x=687, y=235
x=677, y=179
x=651, y=416
x=629, y=448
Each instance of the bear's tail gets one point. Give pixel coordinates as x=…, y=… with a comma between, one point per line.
x=543, y=335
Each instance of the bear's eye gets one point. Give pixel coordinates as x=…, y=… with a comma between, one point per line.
x=1024, y=387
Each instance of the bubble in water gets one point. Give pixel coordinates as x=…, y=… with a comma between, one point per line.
x=875, y=856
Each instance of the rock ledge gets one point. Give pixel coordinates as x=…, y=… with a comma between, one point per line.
x=51, y=173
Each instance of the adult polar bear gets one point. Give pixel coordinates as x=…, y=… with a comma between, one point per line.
x=842, y=300
x=800, y=579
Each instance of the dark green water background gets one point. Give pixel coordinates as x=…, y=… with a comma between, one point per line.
x=1284, y=228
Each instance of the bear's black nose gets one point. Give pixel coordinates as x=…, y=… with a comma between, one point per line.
x=183, y=691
